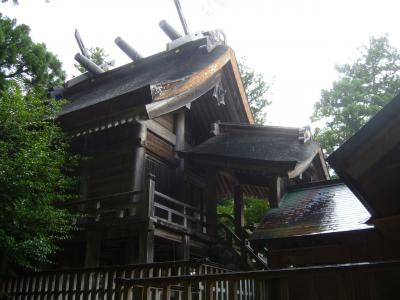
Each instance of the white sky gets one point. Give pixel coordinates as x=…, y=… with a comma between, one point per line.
x=295, y=42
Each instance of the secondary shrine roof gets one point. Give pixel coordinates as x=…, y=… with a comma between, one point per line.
x=284, y=148
x=329, y=207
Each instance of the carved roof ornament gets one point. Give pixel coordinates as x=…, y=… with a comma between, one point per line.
x=219, y=93
x=304, y=134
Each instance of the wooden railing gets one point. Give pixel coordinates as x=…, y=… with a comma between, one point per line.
x=178, y=213
x=356, y=281
x=238, y=240
x=95, y=209
x=95, y=283
x=140, y=204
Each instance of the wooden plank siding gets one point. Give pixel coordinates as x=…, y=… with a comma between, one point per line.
x=160, y=148
x=167, y=121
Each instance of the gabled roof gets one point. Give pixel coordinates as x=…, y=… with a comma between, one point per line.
x=158, y=84
x=281, y=148
x=328, y=207
x=369, y=162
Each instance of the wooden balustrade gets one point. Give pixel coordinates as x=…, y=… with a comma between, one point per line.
x=376, y=280
x=94, y=209
x=94, y=283
x=178, y=213
x=152, y=204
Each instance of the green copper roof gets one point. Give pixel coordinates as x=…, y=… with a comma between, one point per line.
x=326, y=208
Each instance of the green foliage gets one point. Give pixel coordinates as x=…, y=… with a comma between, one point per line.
x=33, y=163
x=26, y=62
x=254, y=209
x=34, y=159
x=99, y=57
x=363, y=88
x=256, y=90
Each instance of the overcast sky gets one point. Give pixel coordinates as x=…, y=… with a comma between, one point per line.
x=295, y=43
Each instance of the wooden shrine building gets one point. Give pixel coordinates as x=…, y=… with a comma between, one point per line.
x=164, y=138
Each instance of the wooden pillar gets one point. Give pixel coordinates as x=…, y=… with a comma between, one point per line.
x=180, y=128
x=180, y=124
x=185, y=247
x=146, y=237
x=277, y=188
x=148, y=199
x=146, y=244
x=238, y=209
x=140, y=134
x=93, y=248
x=211, y=201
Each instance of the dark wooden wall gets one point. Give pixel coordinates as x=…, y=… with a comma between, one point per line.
x=346, y=247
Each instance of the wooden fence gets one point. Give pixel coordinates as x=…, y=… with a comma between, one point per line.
x=196, y=280
x=94, y=283
x=366, y=281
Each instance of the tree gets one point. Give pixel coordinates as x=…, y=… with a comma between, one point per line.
x=254, y=209
x=362, y=89
x=26, y=62
x=256, y=89
x=34, y=157
x=99, y=57
x=33, y=162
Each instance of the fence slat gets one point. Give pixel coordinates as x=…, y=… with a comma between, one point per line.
x=71, y=286
x=166, y=292
x=210, y=290
x=187, y=291
x=233, y=288
x=146, y=293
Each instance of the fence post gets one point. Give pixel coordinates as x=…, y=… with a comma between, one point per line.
x=166, y=292
x=233, y=286
x=187, y=291
x=284, y=287
x=209, y=285
x=259, y=289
